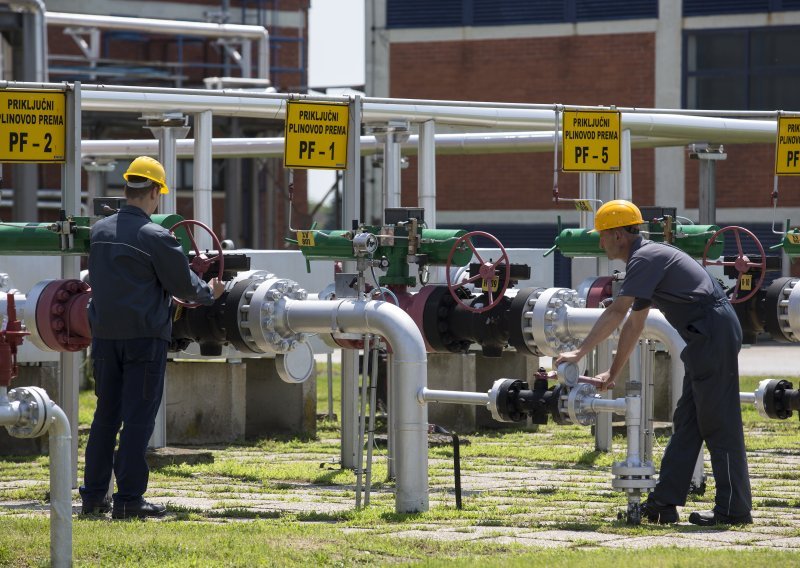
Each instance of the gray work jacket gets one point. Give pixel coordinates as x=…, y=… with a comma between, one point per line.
x=135, y=266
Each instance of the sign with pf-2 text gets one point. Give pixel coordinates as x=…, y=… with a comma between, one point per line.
x=787, y=149
x=316, y=135
x=32, y=126
x=590, y=141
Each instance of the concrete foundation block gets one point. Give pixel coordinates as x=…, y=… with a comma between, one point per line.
x=454, y=372
x=206, y=402
x=43, y=375
x=276, y=407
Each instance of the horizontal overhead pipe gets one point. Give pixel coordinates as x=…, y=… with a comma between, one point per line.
x=467, y=143
x=273, y=106
x=409, y=377
x=171, y=27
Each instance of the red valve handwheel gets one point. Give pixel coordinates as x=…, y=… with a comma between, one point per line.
x=200, y=263
x=742, y=264
x=486, y=272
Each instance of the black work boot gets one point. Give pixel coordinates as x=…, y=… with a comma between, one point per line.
x=712, y=518
x=137, y=510
x=657, y=512
x=91, y=507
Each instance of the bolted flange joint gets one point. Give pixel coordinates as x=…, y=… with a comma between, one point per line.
x=34, y=408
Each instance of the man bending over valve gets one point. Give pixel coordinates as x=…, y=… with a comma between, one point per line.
x=708, y=410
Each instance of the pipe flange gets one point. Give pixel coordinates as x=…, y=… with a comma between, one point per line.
x=34, y=408
x=789, y=310
x=260, y=311
x=768, y=399
x=548, y=321
x=577, y=405
x=623, y=469
x=521, y=338
x=56, y=316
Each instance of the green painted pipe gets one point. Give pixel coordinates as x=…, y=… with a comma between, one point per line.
x=790, y=243
x=691, y=239
x=42, y=239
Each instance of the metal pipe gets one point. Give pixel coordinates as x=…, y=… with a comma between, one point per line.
x=426, y=172
x=747, y=397
x=614, y=405
x=170, y=27
x=453, y=397
x=410, y=375
x=60, y=488
x=203, y=210
x=581, y=320
x=39, y=28
x=272, y=106
x=445, y=144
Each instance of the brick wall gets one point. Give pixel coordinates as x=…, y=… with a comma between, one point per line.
x=591, y=70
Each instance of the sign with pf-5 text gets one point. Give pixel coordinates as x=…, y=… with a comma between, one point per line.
x=32, y=126
x=316, y=135
x=590, y=141
x=787, y=149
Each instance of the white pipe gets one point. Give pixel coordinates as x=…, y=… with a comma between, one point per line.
x=426, y=172
x=60, y=488
x=453, y=397
x=38, y=8
x=203, y=211
x=171, y=27
x=613, y=405
x=11, y=414
x=465, y=143
x=410, y=375
x=272, y=106
x=580, y=321
x=747, y=397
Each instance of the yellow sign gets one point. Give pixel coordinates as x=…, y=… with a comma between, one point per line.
x=746, y=282
x=32, y=126
x=793, y=238
x=495, y=284
x=787, y=149
x=583, y=205
x=316, y=135
x=590, y=141
x=305, y=238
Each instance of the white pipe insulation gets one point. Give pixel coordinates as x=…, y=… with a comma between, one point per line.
x=409, y=376
x=25, y=419
x=171, y=27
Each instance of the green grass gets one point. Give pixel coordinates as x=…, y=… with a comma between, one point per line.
x=286, y=502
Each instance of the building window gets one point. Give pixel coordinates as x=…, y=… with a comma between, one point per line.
x=750, y=69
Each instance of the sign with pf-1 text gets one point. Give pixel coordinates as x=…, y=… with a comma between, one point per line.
x=787, y=149
x=590, y=141
x=32, y=126
x=316, y=135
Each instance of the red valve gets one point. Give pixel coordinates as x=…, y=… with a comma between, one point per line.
x=10, y=338
x=486, y=272
x=200, y=263
x=742, y=264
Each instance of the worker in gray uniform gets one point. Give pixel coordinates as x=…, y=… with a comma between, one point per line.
x=135, y=267
x=708, y=410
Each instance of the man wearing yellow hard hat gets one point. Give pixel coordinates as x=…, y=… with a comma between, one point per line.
x=135, y=267
x=709, y=411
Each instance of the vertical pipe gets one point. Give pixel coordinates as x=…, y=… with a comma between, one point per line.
x=391, y=172
x=410, y=375
x=60, y=488
x=426, y=173
x=202, y=174
x=625, y=188
x=351, y=211
x=707, y=203
x=70, y=265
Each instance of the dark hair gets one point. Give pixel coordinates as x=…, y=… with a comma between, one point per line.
x=632, y=229
x=138, y=187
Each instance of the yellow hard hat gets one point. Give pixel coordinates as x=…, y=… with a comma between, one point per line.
x=617, y=213
x=150, y=168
